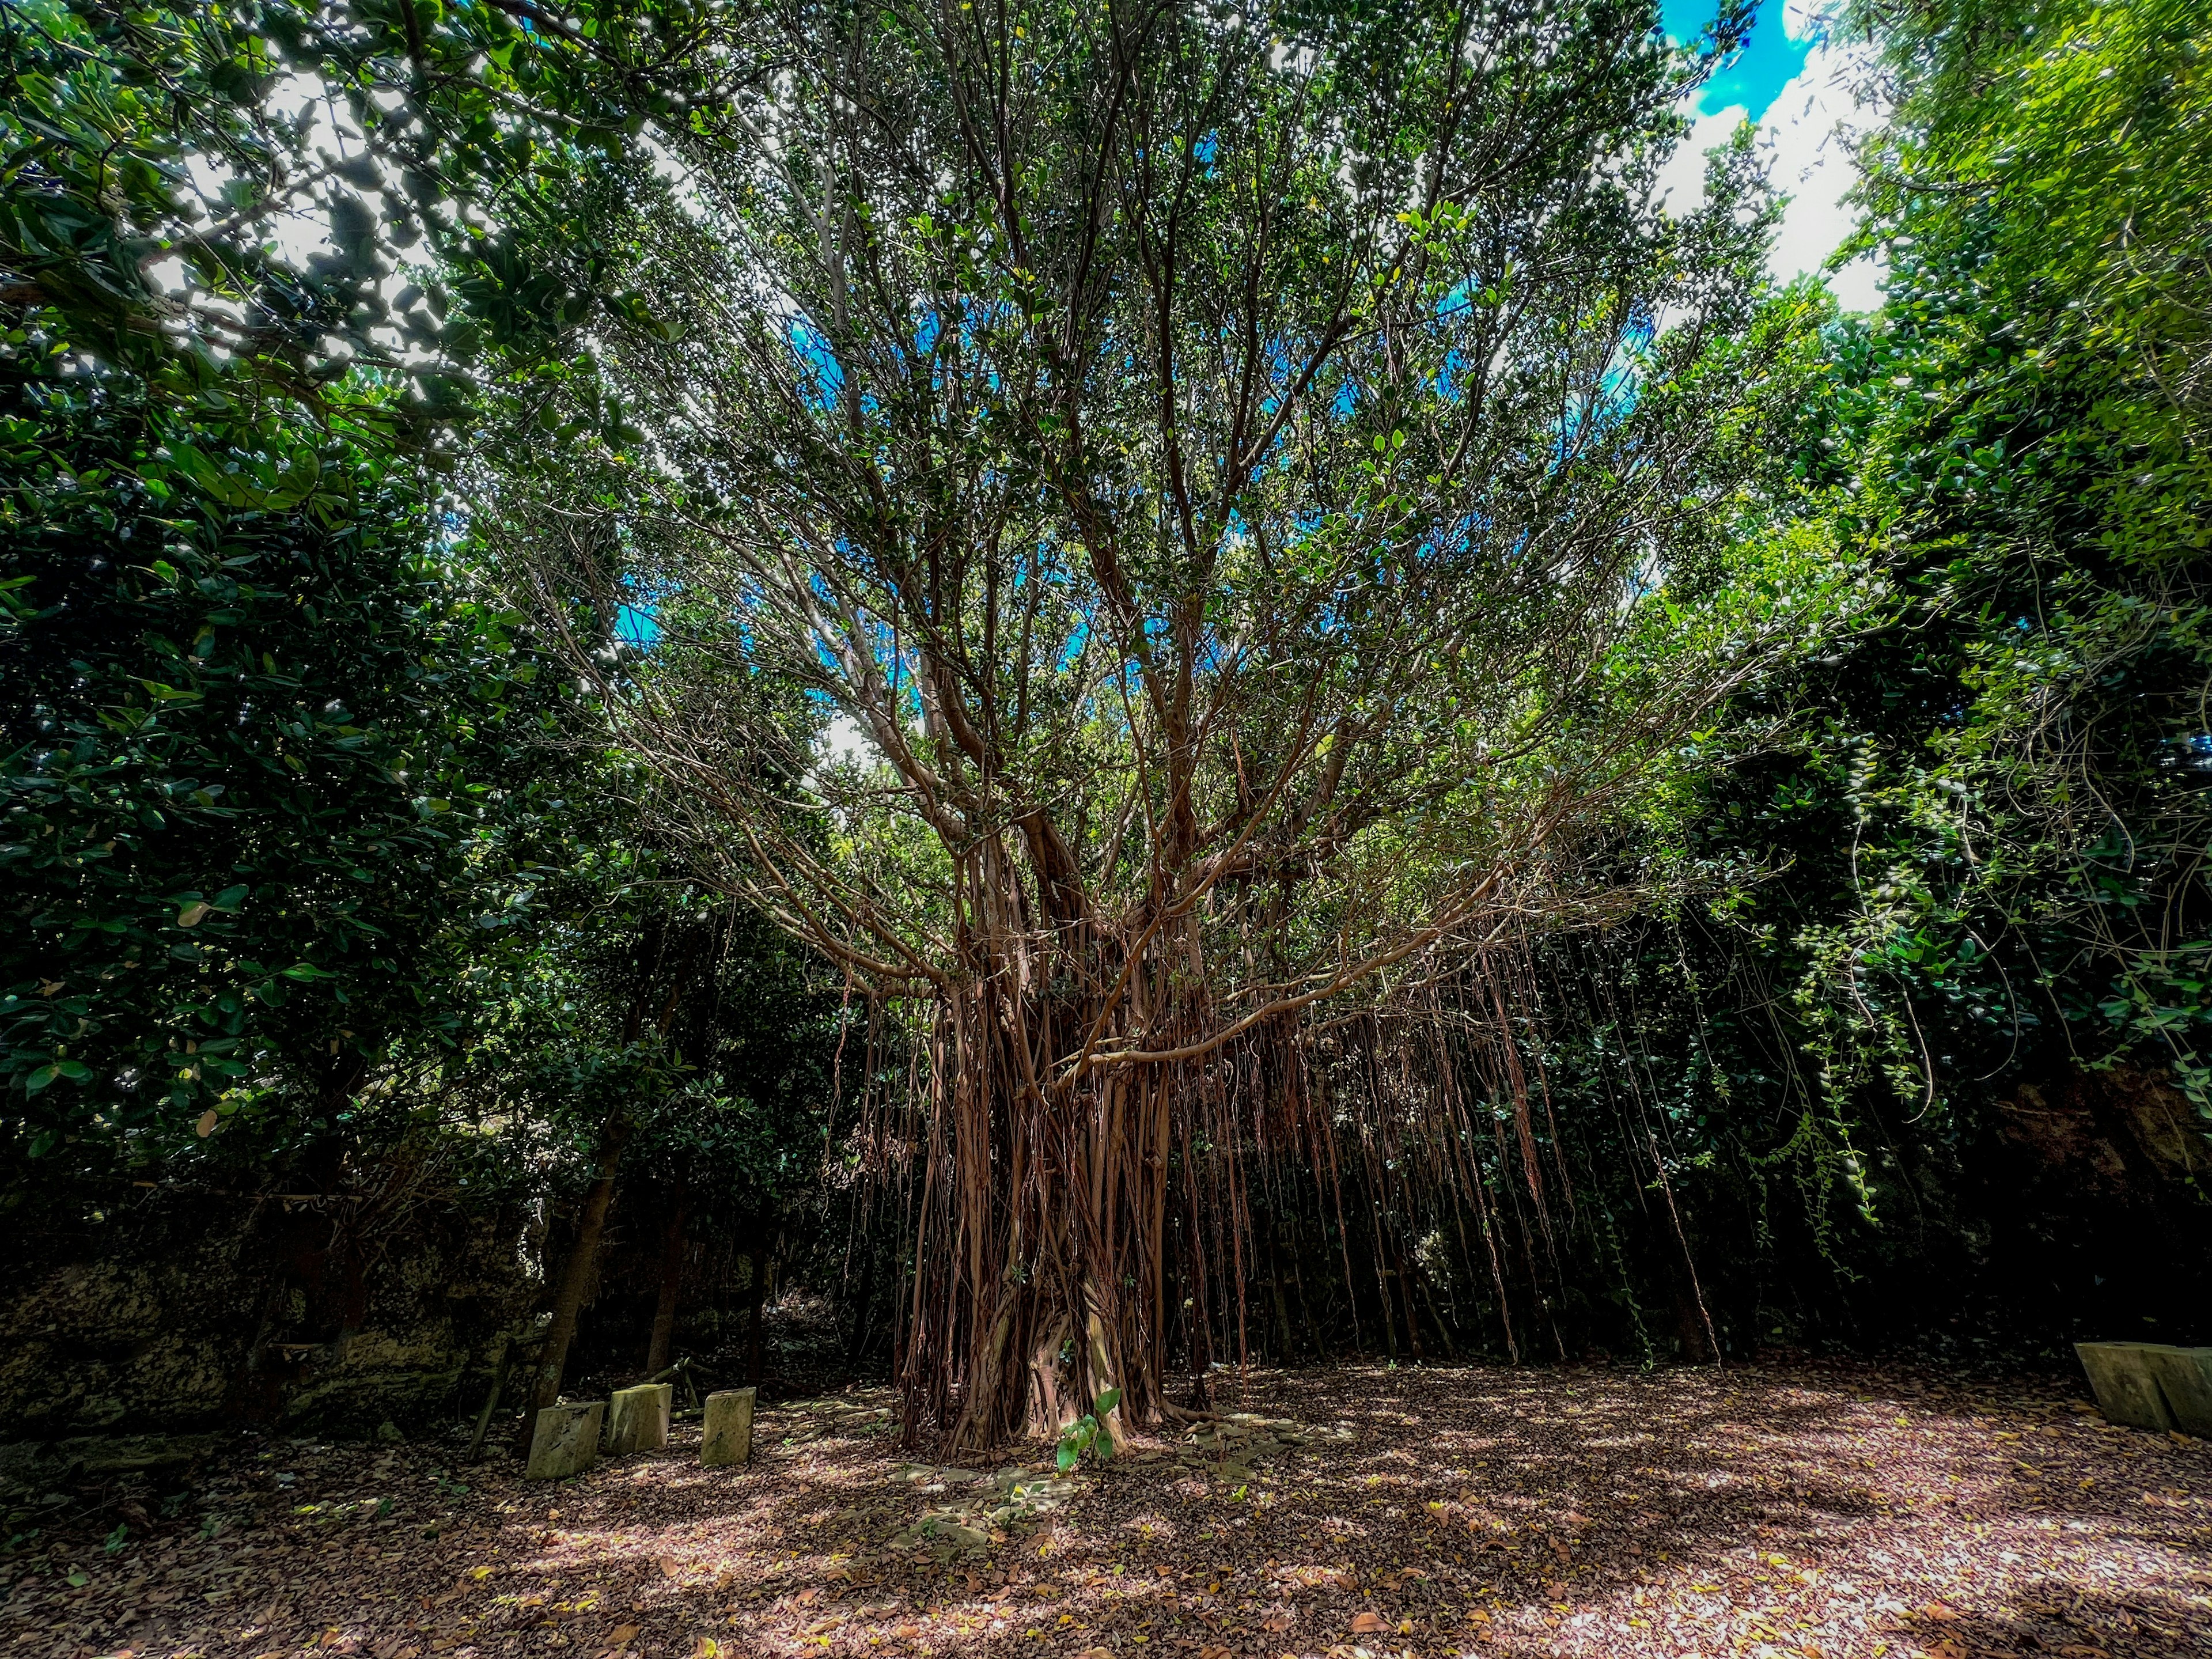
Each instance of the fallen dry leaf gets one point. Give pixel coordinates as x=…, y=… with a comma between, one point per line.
x=1775, y=1504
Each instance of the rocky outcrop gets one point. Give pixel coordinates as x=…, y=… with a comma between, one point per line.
x=167, y=1313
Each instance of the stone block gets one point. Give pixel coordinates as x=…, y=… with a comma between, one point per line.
x=2151, y=1385
x=566, y=1440
x=729, y=1429
x=637, y=1419
x=2184, y=1376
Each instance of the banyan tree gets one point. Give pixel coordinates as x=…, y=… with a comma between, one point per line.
x=1206, y=463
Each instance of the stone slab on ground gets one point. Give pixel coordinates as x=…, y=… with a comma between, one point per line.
x=2151, y=1385
x=2184, y=1376
x=637, y=1419
x=566, y=1440
x=728, y=1435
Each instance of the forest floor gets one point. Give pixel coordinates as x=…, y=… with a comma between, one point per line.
x=1778, y=1508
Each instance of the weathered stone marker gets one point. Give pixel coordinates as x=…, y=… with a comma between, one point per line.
x=566, y=1440
x=637, y=1419
x=729, y=1436
x=2184, y=1376
x=2151, y=1385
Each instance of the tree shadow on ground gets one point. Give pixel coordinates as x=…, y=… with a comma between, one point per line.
x=1423, y=1510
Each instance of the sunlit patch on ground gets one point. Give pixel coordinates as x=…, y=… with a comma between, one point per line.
x=1776, y=1510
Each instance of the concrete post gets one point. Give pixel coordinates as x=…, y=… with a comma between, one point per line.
x=729, y=1436
x=637, y=1419
x=566, y=1440
x=2151, y=1385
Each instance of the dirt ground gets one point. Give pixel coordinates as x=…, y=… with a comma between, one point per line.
x=1773, y=1510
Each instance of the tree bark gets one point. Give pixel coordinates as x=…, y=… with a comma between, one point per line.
x=1405, y=1277
x=672, y=1279
x=1198, y=1338
x=576, y=1273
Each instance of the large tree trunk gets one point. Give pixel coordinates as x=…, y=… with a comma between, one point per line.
x=1039, y=1288
x=1053, y=1188
x=583, y=1260
x=672, y=1279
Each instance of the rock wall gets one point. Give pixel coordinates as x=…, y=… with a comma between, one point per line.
x=167, y=1312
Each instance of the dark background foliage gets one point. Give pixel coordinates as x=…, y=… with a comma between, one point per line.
x=320, y=879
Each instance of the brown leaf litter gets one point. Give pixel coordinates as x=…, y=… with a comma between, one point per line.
x=1811, y=1511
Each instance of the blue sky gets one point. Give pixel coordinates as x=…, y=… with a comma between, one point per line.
x=1799, y=87
x=1754, y=78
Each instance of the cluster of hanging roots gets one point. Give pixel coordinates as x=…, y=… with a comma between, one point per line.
x=1393, y=1179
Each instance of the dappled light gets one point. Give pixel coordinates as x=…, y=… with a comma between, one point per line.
x=1231, y=829
x=1773, y=1509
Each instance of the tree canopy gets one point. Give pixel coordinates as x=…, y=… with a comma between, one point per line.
x=1155, y=596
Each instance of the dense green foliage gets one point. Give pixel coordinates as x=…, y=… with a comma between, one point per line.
x=161, y=164
x=275, y=747
x=336, y=571
x=2028, y=421
x=1984, y=936
x=309, y=858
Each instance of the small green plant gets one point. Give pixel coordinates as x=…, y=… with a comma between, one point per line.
x=1088, y=1433
x=117, y=1539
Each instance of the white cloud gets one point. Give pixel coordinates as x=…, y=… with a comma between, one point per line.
x=1809, y=129
x=1682, y=181
x=1806, y=134
x=842, y=743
